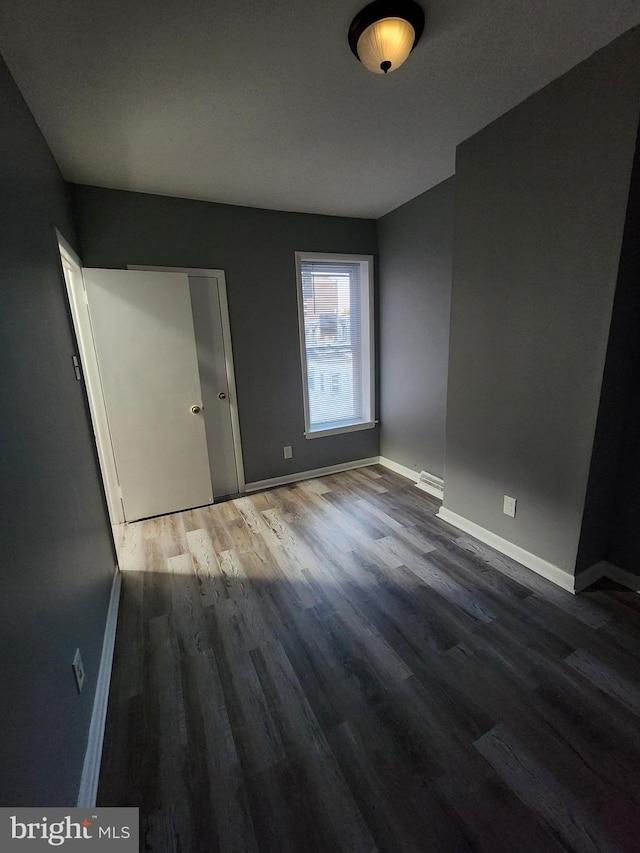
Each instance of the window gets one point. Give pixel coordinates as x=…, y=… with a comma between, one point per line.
x=335, y=312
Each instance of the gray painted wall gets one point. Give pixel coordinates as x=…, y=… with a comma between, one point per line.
x=256, y=249
x=415, y=244
x=56, y=557
x=541, y=195
x=624, y=546
x=622, y=381
x=609, y=524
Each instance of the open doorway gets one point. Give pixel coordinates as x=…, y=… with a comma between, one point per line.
x=166, y=440
x=72, y=269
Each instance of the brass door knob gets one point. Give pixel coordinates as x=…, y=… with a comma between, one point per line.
x=195, y=409
x=222, y=396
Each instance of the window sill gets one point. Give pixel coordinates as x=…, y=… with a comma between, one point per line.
x=320, y=433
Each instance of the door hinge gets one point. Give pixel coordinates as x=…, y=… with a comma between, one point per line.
x=76, y=367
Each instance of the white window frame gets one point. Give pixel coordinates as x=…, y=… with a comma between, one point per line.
x=367, y=333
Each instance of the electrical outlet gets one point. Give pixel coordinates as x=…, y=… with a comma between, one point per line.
x=509, y=506
x=288, y=451
x=78, y=670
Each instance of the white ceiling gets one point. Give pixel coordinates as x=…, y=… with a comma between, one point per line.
x=262, y=103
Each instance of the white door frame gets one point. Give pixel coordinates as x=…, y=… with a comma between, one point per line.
x=77, y=296
x=228, y=353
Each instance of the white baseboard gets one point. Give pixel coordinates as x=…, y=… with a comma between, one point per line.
x=628, y=579
x=309, y=475
x=542, y=567
x=410, y=474
x=590, y=575
x=606, y=570
x=93, y=756
x=348, y=466
x=432, y=490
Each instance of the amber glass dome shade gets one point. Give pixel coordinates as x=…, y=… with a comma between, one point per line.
x=384, y=33
x=385, y=45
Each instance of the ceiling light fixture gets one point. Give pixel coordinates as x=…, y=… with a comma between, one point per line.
x=385, y=32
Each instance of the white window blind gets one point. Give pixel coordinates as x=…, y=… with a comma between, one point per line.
x=335, y=309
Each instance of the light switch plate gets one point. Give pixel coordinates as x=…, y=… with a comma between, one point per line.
x=509, y=506
x=78, y=670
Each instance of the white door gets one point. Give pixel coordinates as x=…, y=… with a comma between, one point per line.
x=144, y=340
x=218, y=393
x=76, y=294
x=215, y=361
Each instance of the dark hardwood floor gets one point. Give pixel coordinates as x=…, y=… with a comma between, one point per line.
x=328, y=667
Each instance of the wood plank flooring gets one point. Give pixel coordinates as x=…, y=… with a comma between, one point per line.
x=328, y=667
